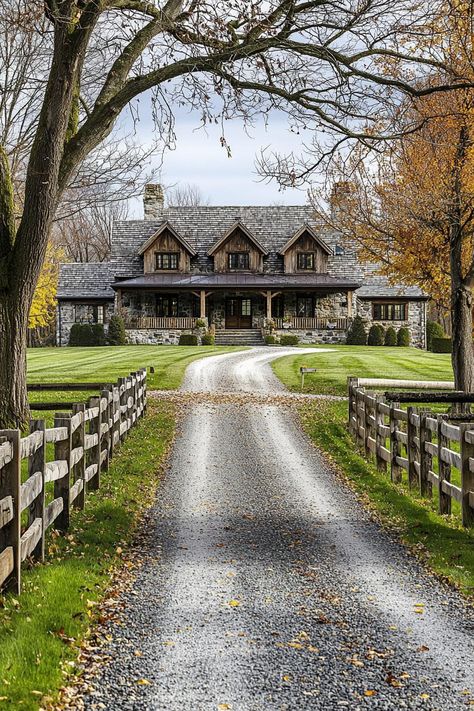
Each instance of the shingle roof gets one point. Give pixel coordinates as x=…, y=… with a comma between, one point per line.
x=202, y=227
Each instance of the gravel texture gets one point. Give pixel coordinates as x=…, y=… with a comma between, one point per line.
x=267, y=586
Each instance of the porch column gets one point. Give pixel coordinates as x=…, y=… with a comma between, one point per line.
x=269, y=305
x=350, y=297
x=118, y=300
x=202, y=296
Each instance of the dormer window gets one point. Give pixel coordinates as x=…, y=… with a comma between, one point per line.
x=166, y=260
x=305, y=261
x=238, y=261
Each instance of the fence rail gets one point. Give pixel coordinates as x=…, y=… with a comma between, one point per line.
x=84, y=441
x=302, y=322
x=161, y=322
x=418, y=443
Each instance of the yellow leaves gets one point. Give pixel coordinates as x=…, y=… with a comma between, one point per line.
x=224, y=707
x=370, y=692
x=424, y=696
x=295, y=645
x=419, y=608
x=234, y=603
x=143, y=682
x=44, y=300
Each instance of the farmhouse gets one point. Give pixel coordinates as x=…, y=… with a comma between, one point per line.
x=239, y=270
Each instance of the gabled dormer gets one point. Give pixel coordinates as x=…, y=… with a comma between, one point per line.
x=238, y=250
x=166, y=251
x=305, y=252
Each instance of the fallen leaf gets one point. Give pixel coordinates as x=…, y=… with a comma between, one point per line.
x=295, y=645
x=143, y=682
x=370, y=692
x=224, y=707
x=424, y=696
x=233, y=603
x=423, y=648
x=286, y=677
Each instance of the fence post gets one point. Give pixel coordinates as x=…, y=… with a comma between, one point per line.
x=10, y=533
x=379, y=438
x=411, y=447
x=37, y=463
x=79, y=440
x=444, y=470
x=351, y=390
x=104, y=418
x=395, y=448
x=367, y=426
x=359, y=400
x=116, y=416
x=426, y=459
x=94, y=428
x=122, y=383
x=110, y=417
x=144, y=385
x=467, y=475
x=62, y=487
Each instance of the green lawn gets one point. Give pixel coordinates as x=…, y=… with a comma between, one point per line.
x=334, y=367
x=106, y=364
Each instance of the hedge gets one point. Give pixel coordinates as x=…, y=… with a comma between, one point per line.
x=289, y=340
x=441, y=345
x=403, y=337
x=87, y=334
x=270, y=340
x=376, y=335
x=390, y=337
x=116, y=334
x=188, y=339
x=433, y=330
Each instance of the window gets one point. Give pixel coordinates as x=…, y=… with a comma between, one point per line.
x=304, y=306
x=246, y=309
x=166, y=260
x=166, y=305
x=305, y=260
x=338, y=250
x=89, y=313
x=390, y=312
x=238, y=260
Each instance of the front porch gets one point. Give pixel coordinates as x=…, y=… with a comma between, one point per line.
x=157, y=316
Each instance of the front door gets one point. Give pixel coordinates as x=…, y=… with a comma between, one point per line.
x=238, y=313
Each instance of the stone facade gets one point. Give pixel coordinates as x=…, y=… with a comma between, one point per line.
x=150, y=336
x=70, y=312
x=325, y=335
x=416, y=321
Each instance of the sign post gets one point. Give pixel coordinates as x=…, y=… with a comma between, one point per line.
x=303, y=371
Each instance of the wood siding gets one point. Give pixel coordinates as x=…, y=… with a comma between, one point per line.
x=238, y=242
x=306, y=244
x=165, y=243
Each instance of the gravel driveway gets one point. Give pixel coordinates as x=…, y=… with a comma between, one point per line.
x=267, y=586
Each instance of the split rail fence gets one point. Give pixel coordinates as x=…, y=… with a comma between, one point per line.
x=425, y=446
x=83, y=442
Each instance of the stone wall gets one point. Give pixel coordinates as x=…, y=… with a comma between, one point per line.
x=416, y=321
x=70, y=312
x=322, y=335
x=155, y=337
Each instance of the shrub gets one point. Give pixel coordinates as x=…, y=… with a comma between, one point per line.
x=200, y=323
x=188, y=339
x=208, y=339
x=403, y=337
x=441, y=345
x=270, y=340
x=97, y=334
x=433, y=330
x=357, y=335
x=289, y=339
x=390, y=337
x=116, y=334
x=376, y=335
x=87, y=334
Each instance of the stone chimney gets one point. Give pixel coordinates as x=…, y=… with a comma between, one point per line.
x=153, y=201
x=341, y=191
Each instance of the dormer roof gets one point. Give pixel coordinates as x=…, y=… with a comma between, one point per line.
x=237, y=226
x=166, y=226
x=306, y=229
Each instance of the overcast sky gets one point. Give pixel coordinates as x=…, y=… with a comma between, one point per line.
x=200, y=159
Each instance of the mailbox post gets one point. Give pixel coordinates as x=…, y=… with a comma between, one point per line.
x=303, y=371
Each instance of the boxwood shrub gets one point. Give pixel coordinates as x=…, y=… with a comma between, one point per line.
x=289, y=339
x=403, y=337
x=116, y=334
x=270, y=340
x=390, y=337
x=376, y=335
x=188, y=339
x=433, y=330
x=441, y=345
x=357, y=335
x=208, y=339
x=87, y=334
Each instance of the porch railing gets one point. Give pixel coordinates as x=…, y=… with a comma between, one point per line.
x=161, y=322
x=303, y=322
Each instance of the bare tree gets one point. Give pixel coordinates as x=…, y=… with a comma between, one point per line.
x=328, y=64
x=185, y=195
x=85, y=236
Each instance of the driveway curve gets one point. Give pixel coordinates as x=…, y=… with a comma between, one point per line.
x=266, y=585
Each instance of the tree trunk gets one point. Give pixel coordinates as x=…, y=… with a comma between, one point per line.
x=14, y=410
x=462, y=356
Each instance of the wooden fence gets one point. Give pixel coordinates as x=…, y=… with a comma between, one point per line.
x=418, y=443
x=83, y=441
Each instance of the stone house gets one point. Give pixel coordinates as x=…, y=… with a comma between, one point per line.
x=241, y=271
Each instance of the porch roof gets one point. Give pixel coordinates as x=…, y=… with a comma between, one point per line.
x=237, y=281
